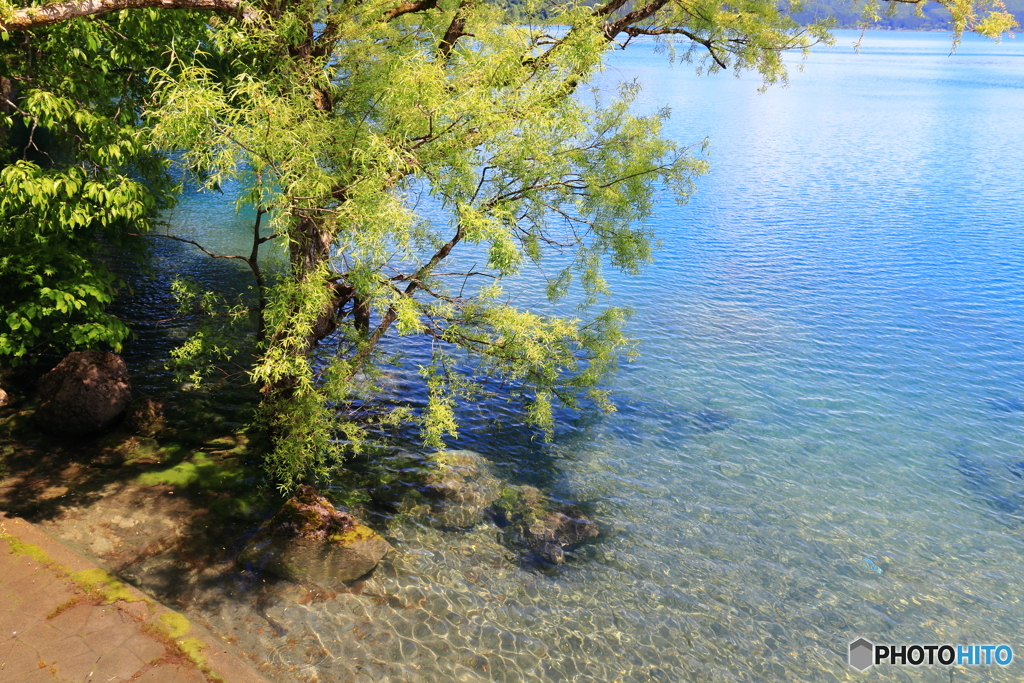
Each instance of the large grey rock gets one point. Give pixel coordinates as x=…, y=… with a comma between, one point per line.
x=455, y=489
x=85, y=393
x=309, y=541
x=343, y=558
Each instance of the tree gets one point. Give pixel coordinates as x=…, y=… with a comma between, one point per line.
x=337, y=115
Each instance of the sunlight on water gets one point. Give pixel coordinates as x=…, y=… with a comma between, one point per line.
x=823, y=438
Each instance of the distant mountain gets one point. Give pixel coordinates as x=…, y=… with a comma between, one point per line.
x=936, y=17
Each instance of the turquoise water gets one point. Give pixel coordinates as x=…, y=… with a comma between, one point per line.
x=844, y=291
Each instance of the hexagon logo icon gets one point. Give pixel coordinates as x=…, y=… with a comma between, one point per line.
x=862, y=654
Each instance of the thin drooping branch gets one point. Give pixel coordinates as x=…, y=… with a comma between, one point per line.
x=257, y=273
x=709, y=45
x=252, y=260
x=192, y=242
x=44, y=15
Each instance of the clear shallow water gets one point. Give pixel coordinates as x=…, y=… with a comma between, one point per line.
x=846, y=286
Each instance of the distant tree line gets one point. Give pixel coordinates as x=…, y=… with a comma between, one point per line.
x=892, y=16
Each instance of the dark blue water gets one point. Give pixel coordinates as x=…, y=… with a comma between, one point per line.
x=823, y=436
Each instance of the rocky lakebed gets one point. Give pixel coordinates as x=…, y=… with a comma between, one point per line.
x=170, y=498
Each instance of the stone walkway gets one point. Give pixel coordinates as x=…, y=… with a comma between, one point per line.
x=62, y=618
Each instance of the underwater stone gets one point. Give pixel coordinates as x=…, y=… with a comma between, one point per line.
x=536, y=528
x=145, y=416
x=549, y=535
x=998, y=487
x=731, y=469
x=711, y=420
x=455, y=490
x=1006, y=405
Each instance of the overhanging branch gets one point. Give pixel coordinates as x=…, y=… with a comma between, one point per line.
x=44, y=15
x=407, y=7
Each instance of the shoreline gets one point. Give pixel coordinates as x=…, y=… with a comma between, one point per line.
x=63, y=613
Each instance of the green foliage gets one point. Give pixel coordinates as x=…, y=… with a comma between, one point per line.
x=55, y=295
x=526, y=168
x=218, y=334
x=76, y=174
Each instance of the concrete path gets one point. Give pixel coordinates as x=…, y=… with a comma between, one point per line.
x=62, y=618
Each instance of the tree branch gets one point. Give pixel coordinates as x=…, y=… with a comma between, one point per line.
x=609, y=8
x=455, y=29
x=613, y=28
x=44, y=15
x=407, y=7
x=192, y=242
x=415, y=281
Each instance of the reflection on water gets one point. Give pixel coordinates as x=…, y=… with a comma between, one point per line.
x=821, y=441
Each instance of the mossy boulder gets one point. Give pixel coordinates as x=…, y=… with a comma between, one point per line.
x=117, y=448
x=453, y=489
x=310, y=541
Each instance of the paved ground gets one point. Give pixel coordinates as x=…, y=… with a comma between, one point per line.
x=64, y=619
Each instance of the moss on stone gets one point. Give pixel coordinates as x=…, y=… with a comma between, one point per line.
x=245, y=506
x=106, y=586
x=526, y=502
x=20, y=423
x=193, y=649
x=357, y=533
x=174, y=624
x=200, y=470
x=121, y=448
x=29, y=549
x=144, y=448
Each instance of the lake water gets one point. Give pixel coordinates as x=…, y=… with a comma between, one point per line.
x=822, y=439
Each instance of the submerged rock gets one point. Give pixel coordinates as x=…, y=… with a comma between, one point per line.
x=549, y=536
x=997, y=486
x=1006, y=405
x=452, y=489
x=145, y=416
x=85, y=393
x=731, y=469
x=710, y=420
x=539, y=530
x=310, y=541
